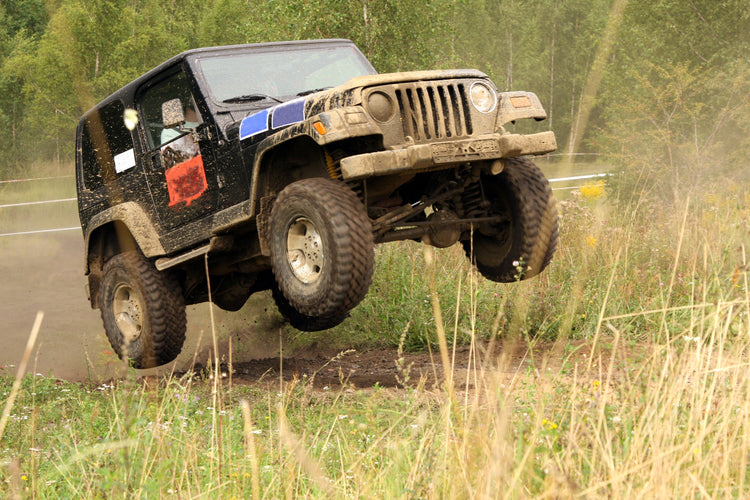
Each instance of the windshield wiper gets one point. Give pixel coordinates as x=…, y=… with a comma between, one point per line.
x=251, y=98
x=312, y=91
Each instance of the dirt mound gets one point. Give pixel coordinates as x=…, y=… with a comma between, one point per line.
x=381, y=367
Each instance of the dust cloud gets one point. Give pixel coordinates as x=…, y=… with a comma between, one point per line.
x=44, y=272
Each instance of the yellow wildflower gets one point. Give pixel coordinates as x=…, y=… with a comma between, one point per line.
x=548, y=424
x=591, y=241
x=592, y=191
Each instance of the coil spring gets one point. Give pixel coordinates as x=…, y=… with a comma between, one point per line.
x=333, y=165
x=472, y=199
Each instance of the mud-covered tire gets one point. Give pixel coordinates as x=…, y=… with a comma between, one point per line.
x=523, y=246
x=143, y=311
x=321, y=247
x=301, y=321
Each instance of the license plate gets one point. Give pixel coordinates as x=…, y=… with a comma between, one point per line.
x=450, y=152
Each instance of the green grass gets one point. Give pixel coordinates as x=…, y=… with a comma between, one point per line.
x=640, y=421
x=638, y=388
x=610, y=261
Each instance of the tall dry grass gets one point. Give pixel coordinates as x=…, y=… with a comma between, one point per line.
x=633, y=384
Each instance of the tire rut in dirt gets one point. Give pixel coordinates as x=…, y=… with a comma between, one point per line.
x=157, y=299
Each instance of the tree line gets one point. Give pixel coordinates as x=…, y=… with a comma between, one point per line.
x=660, y=85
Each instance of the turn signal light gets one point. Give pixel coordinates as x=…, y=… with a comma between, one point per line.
x=320, y=128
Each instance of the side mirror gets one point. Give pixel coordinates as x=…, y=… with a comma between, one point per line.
x=171, y=113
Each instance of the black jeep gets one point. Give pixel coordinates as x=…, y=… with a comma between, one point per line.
x=229, y=170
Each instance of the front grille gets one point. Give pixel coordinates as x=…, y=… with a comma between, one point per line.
x=434, y=110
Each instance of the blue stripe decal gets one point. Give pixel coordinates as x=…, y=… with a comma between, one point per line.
x=288, y=113
x=254, y=124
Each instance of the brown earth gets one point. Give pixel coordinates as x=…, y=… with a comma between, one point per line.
x=382, y=367
x=44, y=273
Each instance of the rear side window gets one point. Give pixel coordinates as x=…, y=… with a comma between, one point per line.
x=106, y=146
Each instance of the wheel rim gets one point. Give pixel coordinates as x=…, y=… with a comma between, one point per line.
x=128, y=312
x=305, y=253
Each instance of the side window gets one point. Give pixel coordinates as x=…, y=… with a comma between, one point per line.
x=106, y=145
x=174, y=86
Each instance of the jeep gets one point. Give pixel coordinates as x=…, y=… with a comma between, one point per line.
x=230, y=170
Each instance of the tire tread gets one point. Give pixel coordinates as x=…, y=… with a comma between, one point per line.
x=163, y=305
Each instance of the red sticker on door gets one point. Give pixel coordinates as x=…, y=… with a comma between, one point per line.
x=183, y=164
x=186, y=181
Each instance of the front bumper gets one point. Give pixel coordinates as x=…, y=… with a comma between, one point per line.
x=421, y=157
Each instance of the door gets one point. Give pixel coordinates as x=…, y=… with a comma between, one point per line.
x=179, y=160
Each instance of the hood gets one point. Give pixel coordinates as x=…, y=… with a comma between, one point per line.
x=409, y=76
x=348, y=94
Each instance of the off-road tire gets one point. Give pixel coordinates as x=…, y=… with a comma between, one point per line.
x=523, y=246
x=321, y=247
x=301, y=321
x=143, y=311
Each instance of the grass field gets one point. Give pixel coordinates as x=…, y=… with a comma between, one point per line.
x=637, y=338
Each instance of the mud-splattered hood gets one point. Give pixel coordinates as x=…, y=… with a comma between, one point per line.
x=361, y=82
x=349, y=94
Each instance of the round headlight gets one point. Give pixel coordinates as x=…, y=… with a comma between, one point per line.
x=380, y=106
x=483, y=97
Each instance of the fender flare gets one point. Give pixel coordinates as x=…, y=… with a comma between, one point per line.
x=135, y=219
x=337, y=125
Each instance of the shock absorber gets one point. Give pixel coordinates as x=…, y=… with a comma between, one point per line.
x=332, y=164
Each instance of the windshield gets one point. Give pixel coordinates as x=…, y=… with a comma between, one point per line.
x=282, y=73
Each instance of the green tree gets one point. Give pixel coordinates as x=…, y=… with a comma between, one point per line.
x=27, y=15
x=89, y=49
x=21, y=23
x=677, y=100
x=544, y=46
x=674, y=92
x=395, y=36
x=224, y=22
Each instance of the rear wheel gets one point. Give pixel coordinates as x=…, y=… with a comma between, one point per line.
x=523, y=245
x=321, y=247
x=143, y=311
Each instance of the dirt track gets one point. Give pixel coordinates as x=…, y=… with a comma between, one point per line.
x=44, y=272
x=382, y=367
x=72, y=344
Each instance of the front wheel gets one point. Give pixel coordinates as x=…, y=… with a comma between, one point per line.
x=143, y=311
x=321, y=247
x=522, y=246
x=301, y=321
